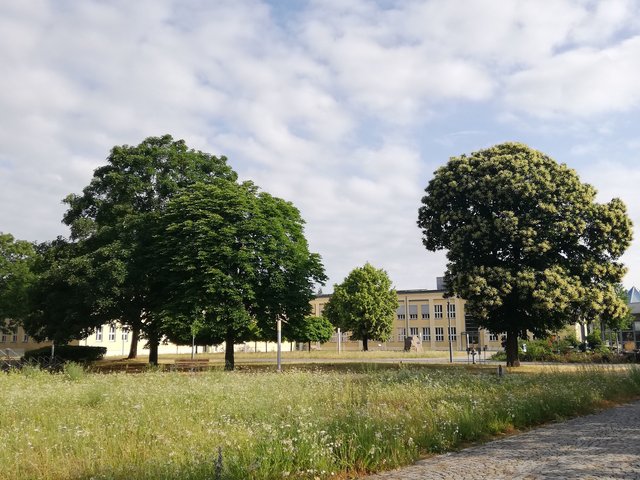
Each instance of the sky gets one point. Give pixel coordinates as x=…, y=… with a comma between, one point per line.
x=343, y=107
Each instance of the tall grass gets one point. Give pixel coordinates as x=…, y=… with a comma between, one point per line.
x=154, y=425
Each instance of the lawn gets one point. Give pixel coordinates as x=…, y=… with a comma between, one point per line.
x=297, y=424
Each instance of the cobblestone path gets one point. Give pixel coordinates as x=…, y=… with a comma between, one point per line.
x=604, y=445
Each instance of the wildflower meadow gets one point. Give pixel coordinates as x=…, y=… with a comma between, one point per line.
x=264, y=425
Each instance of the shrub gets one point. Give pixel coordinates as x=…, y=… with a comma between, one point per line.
x=69, y=353
x=594, y=340
x=74, y=371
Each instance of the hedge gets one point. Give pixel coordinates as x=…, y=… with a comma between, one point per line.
x=69, y=353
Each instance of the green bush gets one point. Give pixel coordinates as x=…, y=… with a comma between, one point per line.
x=594, y=340
x=74, y=371
x=68, y=353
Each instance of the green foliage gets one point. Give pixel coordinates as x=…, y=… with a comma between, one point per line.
x=74, y=371
x=364, y=304
x=239, y=256
x=16, y=276
x=528, y=246
x=594, y=339
x=537, y=349
x=567, y=344
x=341, y=424
x=113, y=223
x=69, y=353
x=74, y=290
x=310, y=329
x=619, y=320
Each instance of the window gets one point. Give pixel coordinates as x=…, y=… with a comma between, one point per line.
x=99, y=334
x=451, y=310
x=413, y=331
x=425, y=310
x=25, y=338
x=452, y=334
x=402, y=333
x=400, y=312
x=14, y=337
x=413, y=312
x=4, y=338
x=493, y=337
x=426, y=334
x=439, y=334
x=125, y=335
x=112, y=333
x=437, y=311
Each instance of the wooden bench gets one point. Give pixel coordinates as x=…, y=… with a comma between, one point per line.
x=197, y=364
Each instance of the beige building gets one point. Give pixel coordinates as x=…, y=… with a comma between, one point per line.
x=17, y=342
x=114, y=338
x=117, y=341
x=425, y=315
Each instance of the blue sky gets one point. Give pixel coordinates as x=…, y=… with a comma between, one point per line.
x=343, y=107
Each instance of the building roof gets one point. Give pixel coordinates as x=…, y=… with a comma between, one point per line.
x=399, y=292
x=633, y=295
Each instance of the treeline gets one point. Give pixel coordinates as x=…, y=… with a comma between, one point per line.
x=168, y=242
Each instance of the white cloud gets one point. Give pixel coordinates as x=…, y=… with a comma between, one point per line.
x=328, y=108
x=582, y=82
x=614, y=179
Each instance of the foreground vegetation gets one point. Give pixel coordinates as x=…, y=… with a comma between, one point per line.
x=333, y=424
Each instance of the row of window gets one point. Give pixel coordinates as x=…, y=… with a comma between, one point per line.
x=426, y=333
x=112, y=334
x=424, y=310
x=439, y=334
x=14, y=338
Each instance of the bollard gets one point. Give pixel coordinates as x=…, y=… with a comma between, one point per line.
x=500, y=372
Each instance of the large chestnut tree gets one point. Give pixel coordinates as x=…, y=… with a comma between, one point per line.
x=527, y=244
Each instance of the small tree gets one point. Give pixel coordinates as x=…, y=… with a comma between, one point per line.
x=310, y=329
x=364, y=304
x=528, y=246
x=237, y=254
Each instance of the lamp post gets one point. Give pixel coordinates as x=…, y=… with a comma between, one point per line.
x=449, y=333
x=279, y=355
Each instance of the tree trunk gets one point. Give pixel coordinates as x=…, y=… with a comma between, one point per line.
x=309, y=346
x=135, y=335
x=512, y=350
x=153, y=350
x=365, y=344
x=229, y=361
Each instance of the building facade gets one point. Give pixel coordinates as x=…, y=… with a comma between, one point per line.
x=430, y=319
x=428, y=316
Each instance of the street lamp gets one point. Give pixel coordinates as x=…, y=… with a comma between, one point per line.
x=449, y=333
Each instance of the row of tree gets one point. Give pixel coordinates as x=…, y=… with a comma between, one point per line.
x=166, y=241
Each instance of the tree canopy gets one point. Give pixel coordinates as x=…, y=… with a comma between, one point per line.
x=237, y=255
x=117, y=214
x=364, y=304
x=16, y=276
x=527, y=245
x=310, y=329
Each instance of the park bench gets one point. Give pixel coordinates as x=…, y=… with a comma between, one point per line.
x=191, y=365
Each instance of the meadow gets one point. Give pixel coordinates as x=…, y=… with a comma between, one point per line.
x=311, y=424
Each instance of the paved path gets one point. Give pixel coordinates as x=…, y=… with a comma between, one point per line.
x=603, y=446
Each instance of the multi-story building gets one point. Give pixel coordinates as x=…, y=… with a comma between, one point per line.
x=116, y=339
x=429, y=316
x=17, y=342
x=425, y=315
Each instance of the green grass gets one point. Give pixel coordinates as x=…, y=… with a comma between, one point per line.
x=298, y=424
